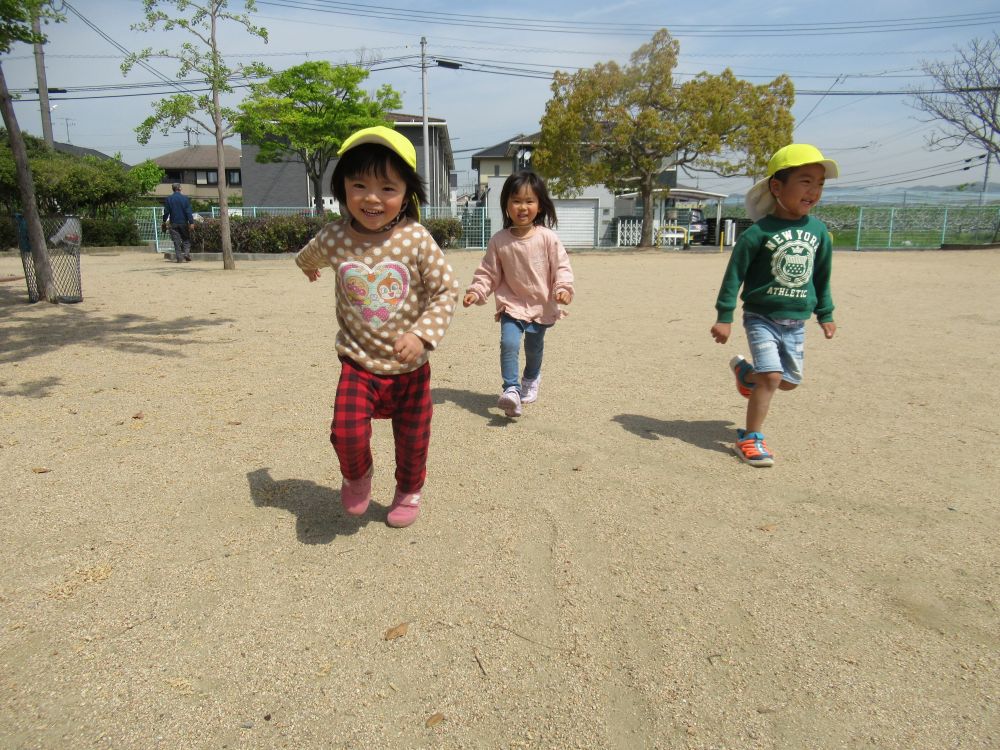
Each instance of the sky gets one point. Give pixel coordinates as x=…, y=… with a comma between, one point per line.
x=849, y=62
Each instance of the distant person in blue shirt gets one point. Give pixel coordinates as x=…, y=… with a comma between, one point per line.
x=179, y=219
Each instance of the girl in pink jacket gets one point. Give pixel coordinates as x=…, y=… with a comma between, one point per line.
x=527, y=270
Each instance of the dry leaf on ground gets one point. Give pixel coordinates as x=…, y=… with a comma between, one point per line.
x=397, y=632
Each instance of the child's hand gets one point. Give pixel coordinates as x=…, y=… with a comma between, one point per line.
x=721, y=332
x=829, y=329
x=408, y=348
x=470, y=298
x=313, y=274
x=564, y=296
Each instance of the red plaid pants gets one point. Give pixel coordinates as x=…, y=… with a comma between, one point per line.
x=405, y=399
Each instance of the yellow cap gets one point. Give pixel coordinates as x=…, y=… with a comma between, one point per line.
x=383, y=136
x=759, y=201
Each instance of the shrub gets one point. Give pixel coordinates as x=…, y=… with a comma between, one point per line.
x=262, y=234
x=96, y=232
x=8, y=235
x=109, y=232
x=446, y=232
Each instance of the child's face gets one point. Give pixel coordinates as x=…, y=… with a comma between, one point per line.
x=522, y=208
x=374, y=201
x=800, y=192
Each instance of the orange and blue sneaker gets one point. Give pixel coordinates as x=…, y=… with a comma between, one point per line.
x=752, y=449
x=741, y=369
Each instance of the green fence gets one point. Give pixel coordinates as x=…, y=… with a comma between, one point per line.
x=884, y=227
x=476, y=230
x=852, y=227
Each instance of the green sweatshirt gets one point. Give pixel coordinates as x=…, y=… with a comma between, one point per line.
x=784, y=269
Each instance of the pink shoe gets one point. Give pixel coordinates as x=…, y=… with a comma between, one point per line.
x=510, y=402
x=529, y=389
x=355, y=494
x=404, y=509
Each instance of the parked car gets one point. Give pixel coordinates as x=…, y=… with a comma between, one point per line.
x=694, y=220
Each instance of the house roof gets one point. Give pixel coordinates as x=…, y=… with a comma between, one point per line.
x=398, y=117
x=418, y=121
x=69, y=148
x=505, y=149
x=198, y=157
x=683, y=192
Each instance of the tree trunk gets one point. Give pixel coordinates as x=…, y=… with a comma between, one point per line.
x=228, y=262
x=646, y=239
x=317, y=183
x=44, y=280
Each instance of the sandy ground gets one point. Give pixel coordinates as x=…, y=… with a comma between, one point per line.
x=602, y=573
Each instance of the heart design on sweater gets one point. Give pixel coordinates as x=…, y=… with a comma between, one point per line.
x=377, y=293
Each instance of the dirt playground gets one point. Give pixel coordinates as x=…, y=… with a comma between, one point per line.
x=600, y=573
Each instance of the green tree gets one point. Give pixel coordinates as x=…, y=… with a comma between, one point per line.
x=305, y=113
x=966, y=100
x=16, y=17
x=147, y=176
x=203, y=62
x=83, y=185
x=621, y=126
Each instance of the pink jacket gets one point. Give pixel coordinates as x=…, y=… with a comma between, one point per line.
x=524, y=274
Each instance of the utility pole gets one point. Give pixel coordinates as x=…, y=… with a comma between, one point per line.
x=43, y=91
x=427, y=145
x=67, y=120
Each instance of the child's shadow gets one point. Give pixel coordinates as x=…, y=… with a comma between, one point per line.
x=476, y=403
x=318, y=515
x=710, y=435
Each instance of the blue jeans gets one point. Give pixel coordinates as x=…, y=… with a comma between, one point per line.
x=776, y=347
x=511, y=331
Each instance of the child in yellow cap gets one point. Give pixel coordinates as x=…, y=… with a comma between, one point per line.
x=396, y=295
x=783, y=264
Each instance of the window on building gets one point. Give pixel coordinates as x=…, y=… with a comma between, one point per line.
x=496, y=170
x=233, y=177
x=206, y=177
x=173, y=175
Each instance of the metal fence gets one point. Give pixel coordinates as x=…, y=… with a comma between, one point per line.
x=476, y=230
x=868, y=227
x=629, y=233
x=147, y=220
x=252, y=212
x=878, y=227
x=852, y=227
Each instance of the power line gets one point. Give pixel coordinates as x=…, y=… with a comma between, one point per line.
x=551, y=26
x=142, y=63
x=952, y=167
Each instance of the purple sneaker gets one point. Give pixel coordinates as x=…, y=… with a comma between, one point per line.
x=404, y=509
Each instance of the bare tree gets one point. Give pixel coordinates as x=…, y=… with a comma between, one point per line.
x=202, y=60
x=18, y=23
x=965, y=100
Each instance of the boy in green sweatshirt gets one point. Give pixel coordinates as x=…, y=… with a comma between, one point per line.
x=783, y=265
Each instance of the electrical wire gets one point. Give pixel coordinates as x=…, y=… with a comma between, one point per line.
x=551, y=26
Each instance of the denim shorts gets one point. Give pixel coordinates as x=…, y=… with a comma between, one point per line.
x=776, y=347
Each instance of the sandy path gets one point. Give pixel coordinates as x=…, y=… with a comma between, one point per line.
x=602, y=573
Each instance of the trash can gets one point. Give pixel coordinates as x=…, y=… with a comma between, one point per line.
x=63, y=248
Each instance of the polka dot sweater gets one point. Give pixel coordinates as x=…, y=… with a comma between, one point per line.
x=388, y=284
